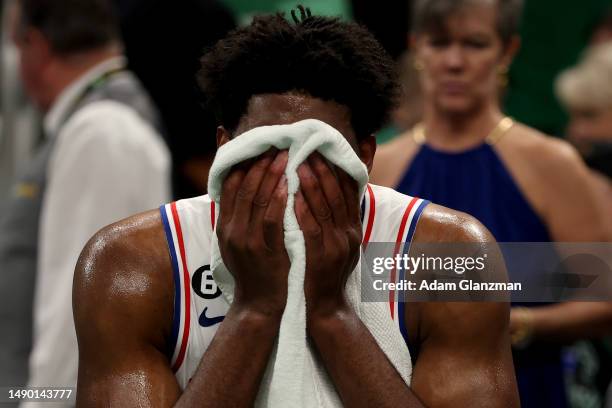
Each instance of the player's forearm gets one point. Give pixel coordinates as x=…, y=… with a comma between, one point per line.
x=361, y=372
x=231, y=370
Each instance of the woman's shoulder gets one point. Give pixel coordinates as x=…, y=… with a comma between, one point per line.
x=549, y=170
x=531, y=143
x=557, y=182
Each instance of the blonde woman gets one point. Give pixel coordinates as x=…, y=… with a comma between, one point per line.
x=522, y=185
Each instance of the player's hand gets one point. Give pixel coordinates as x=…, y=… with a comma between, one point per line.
x=251, y=236
x=327, y=208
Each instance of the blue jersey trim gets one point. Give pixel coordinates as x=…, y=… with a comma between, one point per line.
x=176, y=319
x=415, y=221
x=401, y=313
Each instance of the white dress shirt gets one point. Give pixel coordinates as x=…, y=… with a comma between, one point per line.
x=107, y=164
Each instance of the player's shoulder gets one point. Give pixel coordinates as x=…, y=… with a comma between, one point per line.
x=123, y=285
x=127, y=258
x=439, y=224
x=389, y=203
x=434, y=223
x=142, y=238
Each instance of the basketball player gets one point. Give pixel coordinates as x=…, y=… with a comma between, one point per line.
x=153, y=327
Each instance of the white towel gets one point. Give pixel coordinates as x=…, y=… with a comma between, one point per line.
x=294, y=377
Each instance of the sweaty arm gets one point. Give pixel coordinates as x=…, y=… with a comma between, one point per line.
x=464, y=356
x=123, y=306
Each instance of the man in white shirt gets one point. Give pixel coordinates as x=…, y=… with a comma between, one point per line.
x=102, y=159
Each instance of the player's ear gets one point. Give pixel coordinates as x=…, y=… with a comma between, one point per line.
x=367, y=149
x=223, y=136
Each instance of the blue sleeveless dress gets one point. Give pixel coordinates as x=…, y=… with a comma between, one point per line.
x=476, y=181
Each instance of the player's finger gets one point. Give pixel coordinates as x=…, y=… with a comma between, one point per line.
x=308, y=224
x=228, y=194
x=313, y=195
x=249, y=187
x=331, y=189
x=264, y=195
x=273, y=232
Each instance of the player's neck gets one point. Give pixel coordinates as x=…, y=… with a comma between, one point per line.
x=456, y=132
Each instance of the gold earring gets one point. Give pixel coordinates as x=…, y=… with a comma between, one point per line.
x=418, y=65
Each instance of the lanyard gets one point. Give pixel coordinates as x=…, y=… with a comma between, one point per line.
x=95, y=84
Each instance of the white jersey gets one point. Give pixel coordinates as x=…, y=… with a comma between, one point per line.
x=199, y=308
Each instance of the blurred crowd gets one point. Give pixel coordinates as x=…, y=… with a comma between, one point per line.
x=505, y=113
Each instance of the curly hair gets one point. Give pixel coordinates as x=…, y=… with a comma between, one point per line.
x=321, y=57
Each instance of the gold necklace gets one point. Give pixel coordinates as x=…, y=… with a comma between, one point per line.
x=502, y=127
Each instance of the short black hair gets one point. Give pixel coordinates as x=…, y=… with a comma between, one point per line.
x=431, y=14
x=322, y=57
x=72, y=26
